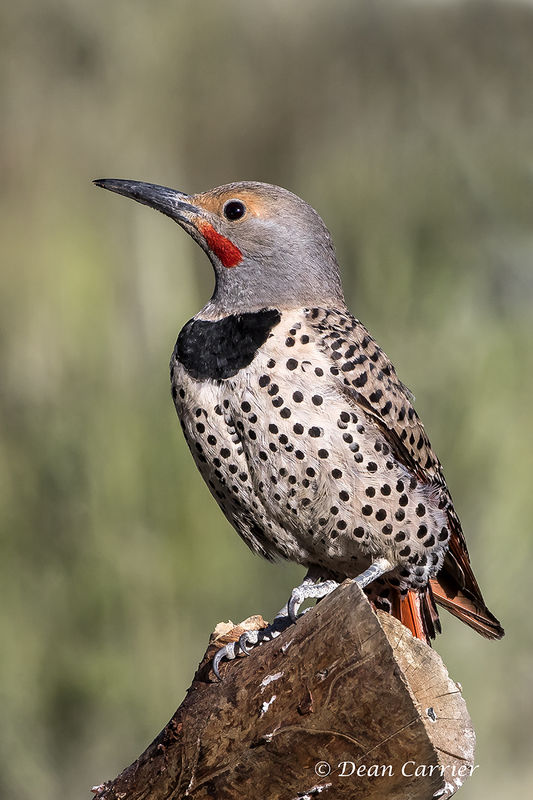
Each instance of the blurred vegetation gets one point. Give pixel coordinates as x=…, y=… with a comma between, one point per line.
x=409, y=126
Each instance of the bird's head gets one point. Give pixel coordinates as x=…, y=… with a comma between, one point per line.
x=267, y=246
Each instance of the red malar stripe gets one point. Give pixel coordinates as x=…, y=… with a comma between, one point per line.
x=228, y=253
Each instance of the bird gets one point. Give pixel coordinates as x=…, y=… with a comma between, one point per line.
x=298, y=422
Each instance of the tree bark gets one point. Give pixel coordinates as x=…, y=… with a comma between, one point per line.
x=344, y=704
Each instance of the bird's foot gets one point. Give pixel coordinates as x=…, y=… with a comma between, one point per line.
x=313, y=588
x=250, y=639
x=310, y=588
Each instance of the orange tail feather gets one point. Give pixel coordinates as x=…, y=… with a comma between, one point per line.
x=411, y=615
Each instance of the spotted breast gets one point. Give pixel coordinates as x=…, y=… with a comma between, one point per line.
x=291, y=448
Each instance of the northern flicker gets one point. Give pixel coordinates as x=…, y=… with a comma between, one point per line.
x=298, y=423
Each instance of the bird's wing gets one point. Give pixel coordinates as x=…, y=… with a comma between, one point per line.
x=368, y=379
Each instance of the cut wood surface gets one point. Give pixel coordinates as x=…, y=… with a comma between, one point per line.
x=344, y=704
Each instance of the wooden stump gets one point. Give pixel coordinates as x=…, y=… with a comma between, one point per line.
x=344, y=704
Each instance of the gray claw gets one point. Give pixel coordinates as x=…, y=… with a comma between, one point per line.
x=248, y=640
x=306, y=591
x=219, y=655
x=293, y=605
x=243, y=643
x=228, y=651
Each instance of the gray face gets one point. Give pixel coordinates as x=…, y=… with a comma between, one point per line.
x=268, y=247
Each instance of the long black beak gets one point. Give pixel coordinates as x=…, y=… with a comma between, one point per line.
x=168, y=201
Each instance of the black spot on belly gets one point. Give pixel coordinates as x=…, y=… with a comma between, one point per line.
x=220, y=349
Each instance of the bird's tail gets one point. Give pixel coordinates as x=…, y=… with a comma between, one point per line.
x=456, y=589
x=467, y=608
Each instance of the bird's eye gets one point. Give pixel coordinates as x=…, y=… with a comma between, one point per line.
x=234, y=209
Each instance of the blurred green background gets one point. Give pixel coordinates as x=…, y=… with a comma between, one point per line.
x=409, y=126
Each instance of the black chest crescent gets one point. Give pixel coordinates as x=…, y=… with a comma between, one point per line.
x=221, y=348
